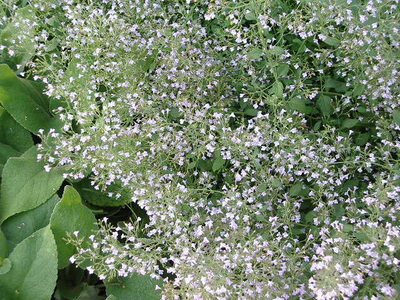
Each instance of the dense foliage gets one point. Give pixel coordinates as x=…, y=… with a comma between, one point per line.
x=227, y=149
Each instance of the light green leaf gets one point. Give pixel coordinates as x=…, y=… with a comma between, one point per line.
x=296, y=189
x=20, y=226
x=250, y=16
x=276, y=183
x=255, y=53
x=297, y=104
x=16, y=99
x=90, y=292
x=282, y=70
x=26, y=185
x=251, y=112
x=5, y=266
x=358, y=90
x=276, y=89
x=332, y=41
x=349, y=123
x=262, y=187
x=135, y=287
x=324, y=104
x=218, y=163
x=396, y=116
x=34, y=268
x=68, y=216
x=277, y=50
x=111, y=297
x=4, y=249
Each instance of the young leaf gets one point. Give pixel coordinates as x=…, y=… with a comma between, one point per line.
x=282, y=70
x=16, y=99
x=324, y=104
x=255, y=53
x=20, y=226
x=277, y=50
x=68, y=216
x=135, y=287
x=349, y=123
x=396, y=116
x=276, y=89
x=33, y=273
x=218, y=163
x=26, y=184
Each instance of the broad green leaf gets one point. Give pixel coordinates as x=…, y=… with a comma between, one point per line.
x=276, y=50
x=13, y=134
x=255, y=53
x=33, y=273
x=35, y=90
x=262, y=187
x=25, y=184
x=276, y=183
x=362, y=138
x=276, y=89
x=396, y=116
x=21, y=29
x=135, y=287
x=192, y=165
x=70, y=215
x=218, y=163
x=16, y=99
x=299, y=105
x=6, y=152
x=349, y=123
x=324, y=104
x=282, y=70
x=358, y=90
x=20, y=226
x=90, y=292
x=331, y=83
x=175, y=113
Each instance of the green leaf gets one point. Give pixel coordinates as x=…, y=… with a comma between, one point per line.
x=6, y=152
x=296, y=189
x=276, y=89
x=20, y=226
x=20, y=29
x=362, y=138
x=13, y=134
x=90, y=292
x=3, y=247
x=255, y=53
x=218, y=163
x=348, y=228
x=251, y=112
x=276, y=183
x=26, y=184
x=396, y=116
x=298, y=104
x=68, y=216
x=262, y=187
x=324, y=104
x=111, y=297
x=277, y=50
x=135, y=287
x=35, y=90
x=250, y=16
x=16, y=99
x=358, y=90
x=282, y=70
x=5, y=266
x=332, y=42
x=349, y=123
x=34, y=268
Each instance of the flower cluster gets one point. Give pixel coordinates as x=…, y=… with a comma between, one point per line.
x=257, y=136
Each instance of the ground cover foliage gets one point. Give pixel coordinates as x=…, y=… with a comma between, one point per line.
x=155, y=149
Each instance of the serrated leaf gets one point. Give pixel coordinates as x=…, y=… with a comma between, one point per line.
x=276, y=89
x=255, y=53
x=33, y=273
x=20, y=226
x=282, y=70
x=396, y=116
x=218, y=163
x=349, y=123
x=26, y=185
x=324, y=104
x=70, y=215
x=16, y=99
x=276, y=50
x=134, y=287
x=296, y=189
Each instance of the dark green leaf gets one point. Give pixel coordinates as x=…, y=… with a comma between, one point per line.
x=4, y=249
x=296, y=189
x=282, y=70
x=20, y=226
x=218, y=163
x=324, y=104
x=251, y=112
x=362, y=138
x=349, y=123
